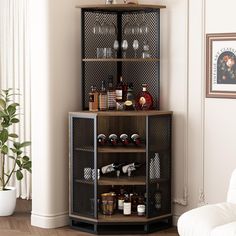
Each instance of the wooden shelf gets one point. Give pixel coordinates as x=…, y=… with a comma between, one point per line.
x=137, y=180
x=122, y=149
x=121, y=7
x=85, y=149
x=121, y=59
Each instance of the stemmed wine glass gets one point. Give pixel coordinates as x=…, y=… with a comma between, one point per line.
x=135, y=27
x=127, y=27
x=105, y=26
x=135, y=47
x=116, y=47
x=143, y=27
x=97, y=28
x=124, y=46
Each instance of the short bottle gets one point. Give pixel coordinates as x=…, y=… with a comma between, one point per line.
x=124, y=138
x=129, y=101
x=135, y=138
x=113, y=139
x=93, y=99
x=144, y=99
x=141, y=206
x=111, y=94
x=127, y=206
x=103, y=98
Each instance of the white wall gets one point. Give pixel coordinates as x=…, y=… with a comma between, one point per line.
x=203, y=129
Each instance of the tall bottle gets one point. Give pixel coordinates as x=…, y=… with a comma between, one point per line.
x=119, y=90
x=127, y=206
x=93, y=99
x=144, y=99
x=103, y=98
x=111, y=94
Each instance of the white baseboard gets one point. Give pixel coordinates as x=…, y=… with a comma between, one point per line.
x=175, y=220
x=49, y=221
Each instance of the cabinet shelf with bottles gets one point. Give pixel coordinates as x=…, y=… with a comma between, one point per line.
x=120, y=40
x=99, y=171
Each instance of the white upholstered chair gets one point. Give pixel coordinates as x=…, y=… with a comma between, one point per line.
x=213, y=219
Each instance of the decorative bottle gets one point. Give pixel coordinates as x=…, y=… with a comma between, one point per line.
x=127, y=206
x=129, y=101
x=144, y=99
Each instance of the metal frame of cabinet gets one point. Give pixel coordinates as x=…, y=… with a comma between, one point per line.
x=155, y=127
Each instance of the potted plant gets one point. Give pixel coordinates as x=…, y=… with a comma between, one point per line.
x=10, y=148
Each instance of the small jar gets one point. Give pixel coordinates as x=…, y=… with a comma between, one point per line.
x=141, y=210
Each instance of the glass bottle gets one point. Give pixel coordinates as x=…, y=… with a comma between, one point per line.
x=113, y=139
x=103, y=98
x=120, y=199
x=157, y=198
x=124, y=138
x=102, y=139
x=119, y=90
x=144, y=99
x=129, y=101
x=93, y=99
x=134, y=202
x=111, y=94
x=141, y=206
x=135, y=138
x=127, y=206
x=146, y=51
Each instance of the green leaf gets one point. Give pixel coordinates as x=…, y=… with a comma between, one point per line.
x=11, y=157
x=25, y=158
x=19, y=152
x=13, y=150
x=2, y=114
x=13, y=135
x=18, y=163
x=25, y=144
x=27, y=165
x=11, y=110
x=19, y=175
x=15, y=120
x=16, y=145
x=4, y=149
x=15, y=104
x=2, y=103
x=4, y=135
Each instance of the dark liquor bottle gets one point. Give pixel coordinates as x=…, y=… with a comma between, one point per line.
x=119, y=90
x=144, y=99
x=111, y=94
x=124, y=138
x=113, y=139
x=135, y=138
x=129, y=101
x=102, y=139
x=93, y=99
x=103, y=98
x=120, y=199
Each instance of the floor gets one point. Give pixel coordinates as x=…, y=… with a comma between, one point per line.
x=19, y=225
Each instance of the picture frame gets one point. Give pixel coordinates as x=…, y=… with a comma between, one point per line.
x=221, y=65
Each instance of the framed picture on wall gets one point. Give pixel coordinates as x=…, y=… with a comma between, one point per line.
x=221, y=65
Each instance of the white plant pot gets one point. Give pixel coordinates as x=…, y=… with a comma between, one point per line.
x=7, y=201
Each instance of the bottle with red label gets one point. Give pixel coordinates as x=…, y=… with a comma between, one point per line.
x=113, y=139
x=124, y=138
x=135, y=138
x=144, y=99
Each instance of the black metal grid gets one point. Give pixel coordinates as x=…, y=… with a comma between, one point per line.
x=137, y=72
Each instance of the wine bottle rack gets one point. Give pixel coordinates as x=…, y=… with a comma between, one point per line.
x=155, y=127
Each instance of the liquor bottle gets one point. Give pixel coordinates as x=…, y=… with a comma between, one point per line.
x=124, y=138
x=120, y=199
x=141, y=206
x=144, y=99
x=111, y=94
x=129, y=101
x=134, y=202
x=119, y=90
x=127, y=206
x=103, y=98
x=93, y=99
x=102, y=139
x=130, y=167
x=113, y=139
x=157, y=198
x=135, y=138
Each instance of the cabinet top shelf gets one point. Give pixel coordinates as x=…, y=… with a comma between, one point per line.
x=121, y=7
x=120, y=113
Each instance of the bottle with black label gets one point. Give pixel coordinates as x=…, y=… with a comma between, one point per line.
x=111, y=94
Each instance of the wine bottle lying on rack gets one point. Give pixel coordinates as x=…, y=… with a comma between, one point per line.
x=112, y=167
x=127, y=169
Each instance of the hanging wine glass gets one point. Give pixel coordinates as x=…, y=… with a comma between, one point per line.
x=105, y=26
x=135, y=47
x=143, y=27
x=116, y=47
x=112, y=28
x=124, y=47
x=127, y=27
x=135, y=27
x=97, y=28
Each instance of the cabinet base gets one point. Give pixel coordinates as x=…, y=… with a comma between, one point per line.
x=121, y=227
